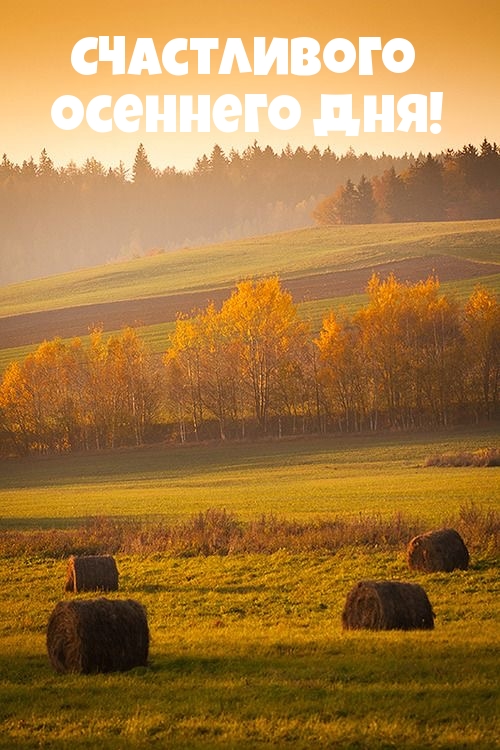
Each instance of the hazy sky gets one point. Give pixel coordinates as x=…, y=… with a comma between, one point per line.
x=456, y=44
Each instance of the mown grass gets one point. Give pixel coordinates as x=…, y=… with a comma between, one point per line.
x=293, y=478
x=248, y=652
x=289, y=254
x=247, y=649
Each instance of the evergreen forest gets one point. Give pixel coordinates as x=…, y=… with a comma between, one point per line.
x=59, y=219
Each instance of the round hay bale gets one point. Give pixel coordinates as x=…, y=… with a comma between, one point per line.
x=97, y=635
x=387, y=605
x=441, y=550
x=92, y=573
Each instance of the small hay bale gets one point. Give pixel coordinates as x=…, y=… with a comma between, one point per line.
x=387, y=605
x=441, y=550
x=92, y=573
x=97, y=635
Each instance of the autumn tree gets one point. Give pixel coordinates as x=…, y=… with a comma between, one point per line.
x=325, y=213
x=134, y=385
x=243, y=361
x=17, y=415
x=67, y=396
x=39, y=399
x=264, y=325
x=412, y=341
x=349, y=204
x=339, y=208
x=482, y=334
x=342, y=374
x=202, y=377
x=222, y=386
x=380, y=327
x=434, y=343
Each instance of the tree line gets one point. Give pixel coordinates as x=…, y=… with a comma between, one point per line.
x=59, y=219
x=411, y=358
x=456, y=185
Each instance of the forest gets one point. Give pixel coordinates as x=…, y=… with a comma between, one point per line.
x=411, y=358
x=456, y=185
x=59, y=219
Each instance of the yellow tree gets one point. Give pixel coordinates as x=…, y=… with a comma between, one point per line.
x=380, y=324
x=134, y=385
x=342, y=374
x=184, y=372
x=40, y=396
x=175, y=394
x=98, y=397
x=220, y=382
x=411, y=340
x=296, y=398
x=122, y=388
x=482, y=334
x=65, y=396
x=264, y=326
x=437, y=362
x=17, y=409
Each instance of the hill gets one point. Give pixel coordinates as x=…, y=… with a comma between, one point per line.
x=314, y=264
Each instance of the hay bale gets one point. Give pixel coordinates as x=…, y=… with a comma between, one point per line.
x=441, y=550
x=97, y=635
x=387, y=605
x=92, y=573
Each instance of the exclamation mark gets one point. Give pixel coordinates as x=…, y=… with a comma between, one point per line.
x=436, y=109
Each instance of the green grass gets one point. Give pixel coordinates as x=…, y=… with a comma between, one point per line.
x=248, y=652
x=156, y=336
x=288, y=254
x=296, y=478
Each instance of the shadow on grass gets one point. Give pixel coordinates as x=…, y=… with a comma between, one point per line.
x=300, y=692
x=191, y=460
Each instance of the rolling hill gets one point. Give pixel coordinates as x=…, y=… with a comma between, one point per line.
x=316, y=265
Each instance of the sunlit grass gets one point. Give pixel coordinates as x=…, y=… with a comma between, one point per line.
x=288, y=254
x=324, y=477
x=248, y=651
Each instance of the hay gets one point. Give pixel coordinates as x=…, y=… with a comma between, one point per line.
x=442, y=550
x=97, y=635
x=387, y=605
x=92, y=573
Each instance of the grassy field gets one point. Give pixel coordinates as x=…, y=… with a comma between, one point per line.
x=247, y=650
x=296, y=478
x=289, y=255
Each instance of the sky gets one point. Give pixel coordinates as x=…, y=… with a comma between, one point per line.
x=456, y=52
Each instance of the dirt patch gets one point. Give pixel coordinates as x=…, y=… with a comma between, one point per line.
x=344, y=283
x=31, y=328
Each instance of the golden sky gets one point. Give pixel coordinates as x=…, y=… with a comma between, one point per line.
x=456, y=45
